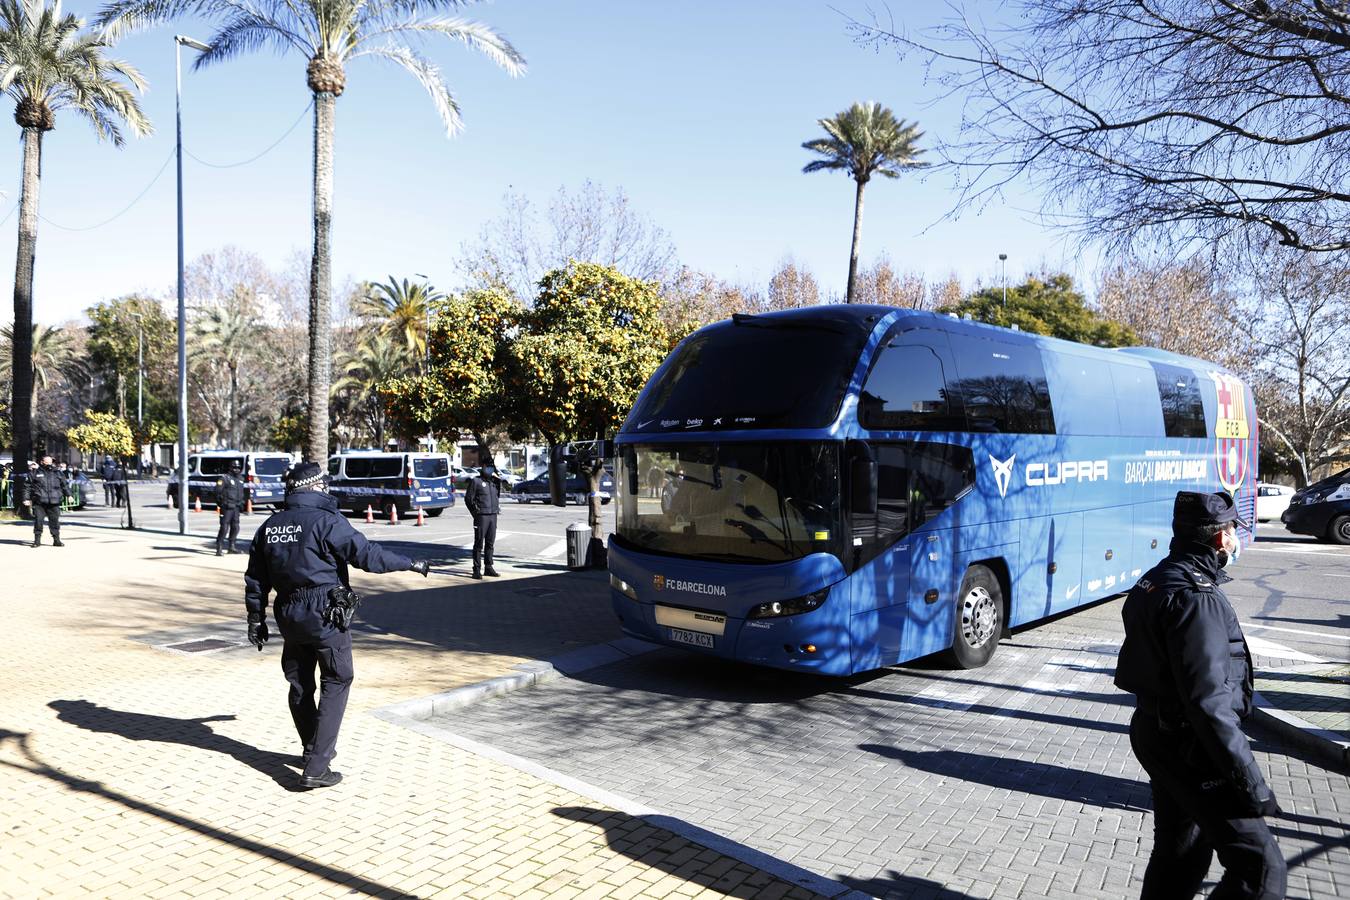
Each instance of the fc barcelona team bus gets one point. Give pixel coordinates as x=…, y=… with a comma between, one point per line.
x=842, y=488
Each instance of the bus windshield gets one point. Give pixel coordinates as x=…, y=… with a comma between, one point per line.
x=741, y=502
x=760, y=373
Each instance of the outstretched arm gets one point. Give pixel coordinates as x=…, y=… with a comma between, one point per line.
x=350, y=545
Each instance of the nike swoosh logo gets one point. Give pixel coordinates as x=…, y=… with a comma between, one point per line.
x=1070, y=592
x=646, y=423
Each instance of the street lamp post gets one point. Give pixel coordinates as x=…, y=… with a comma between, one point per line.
x=1003, y=264
x=140, y=380
x=426, y=357
x=179, y=41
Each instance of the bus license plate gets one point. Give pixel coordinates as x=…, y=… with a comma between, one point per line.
x=691, y=637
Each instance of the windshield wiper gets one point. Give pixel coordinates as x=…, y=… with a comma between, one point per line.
x=756, y=535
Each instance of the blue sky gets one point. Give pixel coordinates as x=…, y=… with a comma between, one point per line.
x=696, y=109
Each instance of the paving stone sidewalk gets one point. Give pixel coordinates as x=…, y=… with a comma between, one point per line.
x=132, y=767
x=1313, y=705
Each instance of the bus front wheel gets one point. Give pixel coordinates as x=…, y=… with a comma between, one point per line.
x=979, y=618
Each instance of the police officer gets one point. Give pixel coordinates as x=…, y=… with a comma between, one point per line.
x=44, y=489
x=230, y=494
x=483, y=498
x=1186, y=661
x=109, y=472
x=123, y=485
x=302, y=553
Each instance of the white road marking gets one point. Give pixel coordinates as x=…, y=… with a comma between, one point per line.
x=1295, y=631
x=557, y=548
x=1336, y=553
x=1263, y=647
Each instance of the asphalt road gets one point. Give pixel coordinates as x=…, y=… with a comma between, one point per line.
x=524, y=530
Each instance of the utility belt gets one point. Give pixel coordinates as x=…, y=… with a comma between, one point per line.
x=302, y=595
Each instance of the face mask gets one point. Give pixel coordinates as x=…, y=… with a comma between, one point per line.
x=1231, y=549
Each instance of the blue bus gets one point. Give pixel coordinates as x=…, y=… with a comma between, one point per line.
x=842, y=488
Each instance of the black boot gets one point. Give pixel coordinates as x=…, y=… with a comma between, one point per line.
x=477, y=575
x=218, y=553
x=56, y=541
x=232, y=550
x=491, y=572
x=37, y=540
x=327, y=779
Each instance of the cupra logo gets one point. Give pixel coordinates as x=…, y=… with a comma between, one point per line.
x=659, y=582
x=1002, y=473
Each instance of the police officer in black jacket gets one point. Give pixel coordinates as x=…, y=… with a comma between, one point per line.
x=230, y=494
x=44, y=489
x=303, y=553
x=483, y=498
x=1186, y=661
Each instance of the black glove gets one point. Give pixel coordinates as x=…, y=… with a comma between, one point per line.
x=258, y=633
x=1267, y=806
x=420, y=566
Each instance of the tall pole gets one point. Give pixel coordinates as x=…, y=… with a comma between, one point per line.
x=1003, y=264
x=178, y=42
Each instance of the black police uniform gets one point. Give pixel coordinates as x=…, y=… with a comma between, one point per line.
x=303, y=552
x=230, y=494
x=109, y=473
x=1186, y=661
x=483, y=499
x=44, y=488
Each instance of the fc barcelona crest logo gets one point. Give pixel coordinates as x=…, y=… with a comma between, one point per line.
x=1232, y=431
x=659, y=582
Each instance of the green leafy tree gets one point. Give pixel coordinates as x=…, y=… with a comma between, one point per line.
x=48, y=62
x=463, y=388
x=329, y=34
x=864, y=140
x=102, y=434
x=400, y=309
x=225, y=335
x=1049, y=305
x=378, y=360
x=582, y=354
x=115, y=327
x=53, y=357
x=289, y=431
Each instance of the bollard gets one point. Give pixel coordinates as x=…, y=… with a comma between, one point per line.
x=393, y=513
x=370, y=515
x=420, y=521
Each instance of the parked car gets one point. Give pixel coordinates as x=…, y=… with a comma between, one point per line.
x=462, y=475
x=78, y=488
x=576, y=489
x=1322, y=509
x=263, y=471
x=1272, y=500
x=391, y=480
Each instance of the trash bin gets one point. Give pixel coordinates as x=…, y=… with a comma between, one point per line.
x=578, y=540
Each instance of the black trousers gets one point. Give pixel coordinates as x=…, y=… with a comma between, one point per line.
x=310, y=643
x=229, y=524
x=484, y=540
x=52, y=513
x=1190, y=824
x=109, y=494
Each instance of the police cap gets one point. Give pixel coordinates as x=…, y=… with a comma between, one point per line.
x=303, y=475
x=1196, y=510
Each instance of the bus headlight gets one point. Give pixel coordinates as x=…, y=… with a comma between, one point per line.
x=793, y=607
x=622, y=586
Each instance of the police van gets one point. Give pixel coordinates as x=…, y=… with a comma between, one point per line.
x=1322, y=509
x=263, y=472
x=385, y=481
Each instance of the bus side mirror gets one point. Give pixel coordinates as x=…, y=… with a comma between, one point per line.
x=862, y=479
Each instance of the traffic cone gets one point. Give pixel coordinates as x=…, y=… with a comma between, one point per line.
x=248, y=506
x=198, y=507
x=420, y=521
x=393, y=513
x=370, y=515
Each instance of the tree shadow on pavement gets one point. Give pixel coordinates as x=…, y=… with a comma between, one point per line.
x=168, y=730
x=352, y=882
x=902, y=887
x=649, y=840
x=1043, y=779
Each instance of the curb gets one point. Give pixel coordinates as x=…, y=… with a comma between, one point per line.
x=1327, y=746
x=415, y=715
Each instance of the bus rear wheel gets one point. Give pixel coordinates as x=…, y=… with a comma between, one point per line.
x=979, y=619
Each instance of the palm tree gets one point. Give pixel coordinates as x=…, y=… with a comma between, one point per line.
x=377, y=360
x=329, y=33
x=227, y=334
x=48, y=62
x=864, y=140
x=401, y=309
x=52, y=354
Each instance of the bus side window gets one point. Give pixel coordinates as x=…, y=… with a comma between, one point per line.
x=1137, y=401
x=907, y=391
x=1003, y=387
x=1182, y=408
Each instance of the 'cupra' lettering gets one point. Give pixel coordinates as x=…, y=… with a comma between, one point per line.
x=1066, y=471
x=283, y=534
x=695, y=587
